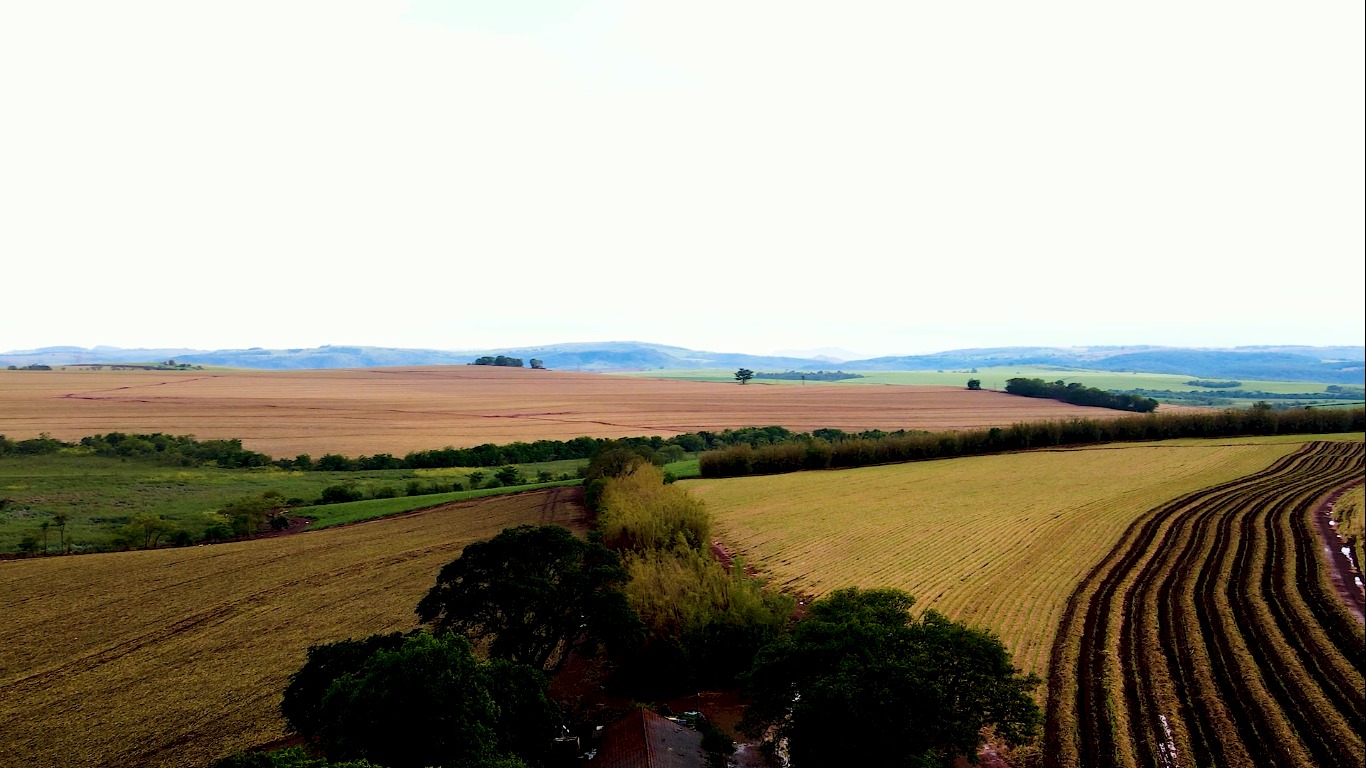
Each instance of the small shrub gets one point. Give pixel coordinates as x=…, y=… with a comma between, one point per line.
x=340, y=494
x=217, y=532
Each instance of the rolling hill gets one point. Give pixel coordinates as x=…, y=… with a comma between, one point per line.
x=1336, y=365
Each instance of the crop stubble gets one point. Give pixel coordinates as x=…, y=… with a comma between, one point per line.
x=998, y=541
x=179, y=656
x=397, y=410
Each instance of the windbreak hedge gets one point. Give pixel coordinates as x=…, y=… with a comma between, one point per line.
x=820, y=453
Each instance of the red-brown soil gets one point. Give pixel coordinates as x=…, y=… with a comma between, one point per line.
x=1345, y=578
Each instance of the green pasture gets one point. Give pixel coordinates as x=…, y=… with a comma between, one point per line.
x=98, y=495
x=328, y=515
x=683, y=470
x=996, y=377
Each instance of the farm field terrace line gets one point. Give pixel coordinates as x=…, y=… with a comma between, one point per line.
x=996, y=541
x=177, y=657
x=398, y=410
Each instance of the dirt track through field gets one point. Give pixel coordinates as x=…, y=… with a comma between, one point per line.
x=397, y=410
x=1345, y=574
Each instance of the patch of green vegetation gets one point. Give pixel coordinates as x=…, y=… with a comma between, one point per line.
x=683, y=470
x=95, y=496
x=328, y=515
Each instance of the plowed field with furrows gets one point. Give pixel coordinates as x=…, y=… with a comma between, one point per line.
x=398, y=410
x=997, y=541
x=1210, y=635
x=177, y=657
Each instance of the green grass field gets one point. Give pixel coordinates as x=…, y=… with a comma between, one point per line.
x=98, y=494
x=995, y=378
x=329, y=515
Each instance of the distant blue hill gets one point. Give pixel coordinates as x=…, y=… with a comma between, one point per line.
x=1338, y=365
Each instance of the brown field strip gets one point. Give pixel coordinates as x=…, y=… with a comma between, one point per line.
x=397, y=410
x=1208, y=636
x=177, y=657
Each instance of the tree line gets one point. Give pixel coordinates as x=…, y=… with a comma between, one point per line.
x=1208, y=384
x=507, y=362
x=819, y=453
x=1078, y=394
x=1333, y=392
x=178, y=450
x=807, y=375
x=185, y=450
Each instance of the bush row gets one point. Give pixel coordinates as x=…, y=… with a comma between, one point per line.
x=703, y=624
x=817, y=453
x=185, y=450
x=1077, y=394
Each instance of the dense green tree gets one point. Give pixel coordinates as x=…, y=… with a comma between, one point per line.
x=974, y=384
x=246, y=515
x=1077, y=394
x=616, y=460
x=503, y=360
x=301, y=704
x=333, y=462
x=143, y=531
x=430, y=702
x=744, y=375
x=340, y=494
x=863, y=681
x=533, y=593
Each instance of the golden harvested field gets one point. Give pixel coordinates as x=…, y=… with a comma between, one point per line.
x=996, y=541
x=176, y=657
x=397, y=410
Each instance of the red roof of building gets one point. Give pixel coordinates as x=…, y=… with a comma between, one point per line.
x=643, y=739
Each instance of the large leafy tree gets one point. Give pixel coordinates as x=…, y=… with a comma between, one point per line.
x=302, y=701
x=861, y=680
x=533, y=593
x=430, y=702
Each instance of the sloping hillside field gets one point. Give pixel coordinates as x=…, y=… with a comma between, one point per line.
x=997, y=541
x=397, y=410
x=1174, y=584
x=176, y=657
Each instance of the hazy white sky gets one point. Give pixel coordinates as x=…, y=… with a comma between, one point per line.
x=740, y=176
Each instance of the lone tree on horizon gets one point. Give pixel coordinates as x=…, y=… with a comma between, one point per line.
x=744, y=375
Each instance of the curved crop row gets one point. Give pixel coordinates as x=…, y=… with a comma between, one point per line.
x=1206, y=635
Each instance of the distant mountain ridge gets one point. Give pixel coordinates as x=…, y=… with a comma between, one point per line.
x=1339, y=364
